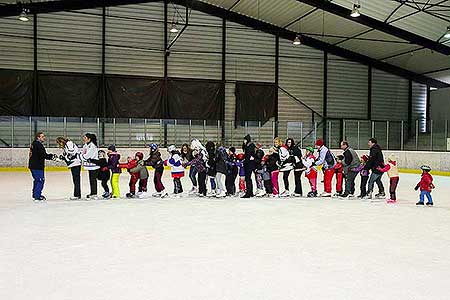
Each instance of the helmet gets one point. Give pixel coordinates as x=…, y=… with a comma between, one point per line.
x=153, y=146
x=171, y=148
x=140, y=155
x=310, y=149
x=425, y=168
x=240, y=156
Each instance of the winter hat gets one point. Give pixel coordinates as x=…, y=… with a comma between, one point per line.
x=171, y=148
x=240, y=156
x=140, y=155
x=153, y=146
x=319, y=142
x=365, y=158
x=392, y=157
x=112, y=148
x=310, y=149
x=425, y=168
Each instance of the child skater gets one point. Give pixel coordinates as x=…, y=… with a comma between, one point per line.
x=141, y=169
x=272, y=168
x=259, y=155
x=232, y=172
x=266, y=176
x=157, y=164
x=199, y=162
x=339, y=171
x=113, y=161
x=426, y=186
x=240, y=165
x=134, y=176
x=310, y=171
x=221, y=159
x=392, y=170
x=104, y=173
x=364, y=176
x=177, y=170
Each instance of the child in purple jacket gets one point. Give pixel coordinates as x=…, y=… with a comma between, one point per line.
x=364, y=175
x=113, y=162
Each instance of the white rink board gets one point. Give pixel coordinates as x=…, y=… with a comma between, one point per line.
x=197, y=248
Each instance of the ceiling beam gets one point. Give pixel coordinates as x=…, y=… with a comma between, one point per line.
x=343, y=12
x=54, y=6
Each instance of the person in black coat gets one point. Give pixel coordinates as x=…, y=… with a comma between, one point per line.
x=211, y=166
x=249, y=164
x=36, y=164
x=375, y=161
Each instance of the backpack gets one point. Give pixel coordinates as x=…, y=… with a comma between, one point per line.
x=330, y=158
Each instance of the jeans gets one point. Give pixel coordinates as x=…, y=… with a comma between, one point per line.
x=38, y=183
x=375, y=178
x=76, y=180
x=192, y=173
x=427, y=194
x=350, y=182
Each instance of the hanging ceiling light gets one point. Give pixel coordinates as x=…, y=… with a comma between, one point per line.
x=24, y=16
x=447, y=33
x=355, y=11
x=297, y=40
x=174, y=28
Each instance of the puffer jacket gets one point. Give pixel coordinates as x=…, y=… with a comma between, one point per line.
x=141, y=169
x=71, y=155
x=155, y=161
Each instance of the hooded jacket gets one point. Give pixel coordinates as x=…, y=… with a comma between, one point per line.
x=71, y=155
x=249, y=153
x=376, y=159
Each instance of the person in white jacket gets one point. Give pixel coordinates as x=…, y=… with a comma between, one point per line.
x=89, y=153
x=71, y=156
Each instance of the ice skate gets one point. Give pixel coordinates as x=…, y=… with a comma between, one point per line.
x=337, y=195
x=297, y=195
x=40, y=199
x=286, y=193
x=391, y=201
x=142, y=195
x=156, y=194
x=260, y=193
x=163, y=194
x=193, y=191
x=380, y=195
x=273, y=196
x=420, y=203
x=312, y=194
x=74, y=198
x=367, y=197
x=221, y=195
x=325, y=194
x=429, y=203
x=211, y=194
x=130, y=195
x=106, y=195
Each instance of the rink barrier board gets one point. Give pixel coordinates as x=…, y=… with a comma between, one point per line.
x=60, y=169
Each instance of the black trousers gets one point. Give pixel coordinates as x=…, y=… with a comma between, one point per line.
x=76, y=179
x=202, y=183
x=105, y=185
x=230, y=181
x=363, y=186
x=248, y=182
x=298, y=182
x=93, y=174
x=177, y=187
x=350, y=182
x=286, y=179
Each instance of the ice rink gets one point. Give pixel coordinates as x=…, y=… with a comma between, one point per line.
x=204, y=248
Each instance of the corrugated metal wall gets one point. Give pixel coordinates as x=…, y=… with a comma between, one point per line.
x=347, y=90
x=16, y=44
x=390, y=95
x=198, y=51
x=135, y=40
x=70, y=41
x=419, y=104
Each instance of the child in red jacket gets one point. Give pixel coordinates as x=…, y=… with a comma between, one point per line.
x=339, y=171
x=131, y=164
x=425, y=185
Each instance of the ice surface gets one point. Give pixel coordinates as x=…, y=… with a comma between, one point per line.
x=197, y=248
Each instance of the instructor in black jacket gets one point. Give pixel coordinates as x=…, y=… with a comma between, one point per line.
x=249, y=164
x=375, y=161
x=36, y=164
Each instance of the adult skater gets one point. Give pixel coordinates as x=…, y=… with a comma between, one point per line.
x=71, y=156
x=376, y=160
x=36, y=164
x=89, y=153
x=249, y=149
x=327, y=161
x=351, y=162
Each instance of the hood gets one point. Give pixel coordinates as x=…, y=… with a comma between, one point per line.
x=196, y=145
x=248, y=138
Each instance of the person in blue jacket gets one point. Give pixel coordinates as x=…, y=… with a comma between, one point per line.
x=36, y=164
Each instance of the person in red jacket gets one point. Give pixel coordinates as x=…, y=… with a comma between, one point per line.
x=339, y=171
x=425, y=185
x=131, y=164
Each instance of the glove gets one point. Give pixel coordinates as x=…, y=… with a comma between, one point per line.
x=61, y=157
x=416, y=188
x=54, y=157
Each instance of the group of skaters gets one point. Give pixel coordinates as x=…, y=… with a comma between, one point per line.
x=215, y=170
